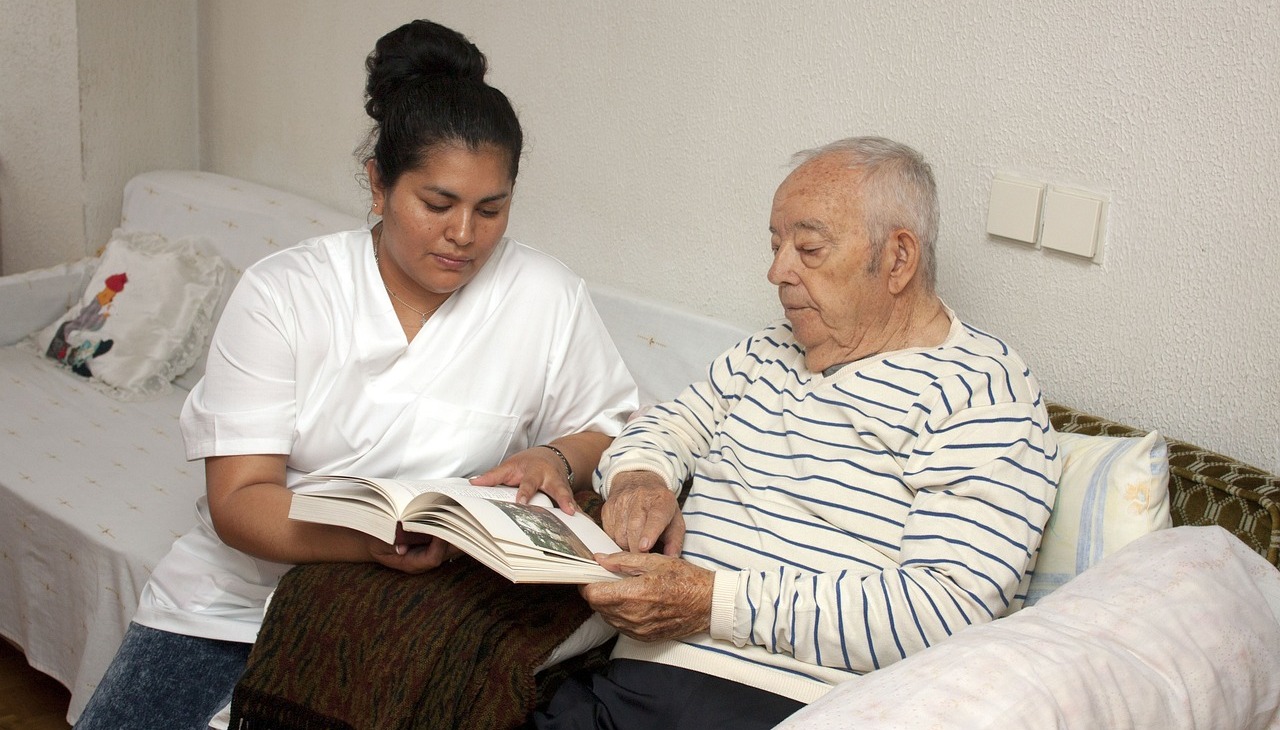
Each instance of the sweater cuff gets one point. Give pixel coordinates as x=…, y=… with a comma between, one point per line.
x=606, y=484
x=724, y=594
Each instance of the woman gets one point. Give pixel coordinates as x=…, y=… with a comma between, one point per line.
x=428, y=346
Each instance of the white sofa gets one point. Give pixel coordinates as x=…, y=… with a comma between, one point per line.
x=93, y=489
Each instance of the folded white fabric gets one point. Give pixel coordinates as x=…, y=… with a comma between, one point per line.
x=1180, y=629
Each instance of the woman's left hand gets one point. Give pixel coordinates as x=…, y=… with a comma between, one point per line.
x=412, y=552
x=531, y=471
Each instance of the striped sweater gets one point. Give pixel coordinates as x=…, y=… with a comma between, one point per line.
x=853, y=518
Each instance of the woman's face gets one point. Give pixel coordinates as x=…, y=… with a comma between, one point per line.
x=442, y=220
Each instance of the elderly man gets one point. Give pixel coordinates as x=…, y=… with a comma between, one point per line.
x=868, y=477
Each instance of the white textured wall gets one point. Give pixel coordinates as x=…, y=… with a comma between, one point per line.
x=91, y=92
x=657, y=132
x=138, y=98
x=41, y=202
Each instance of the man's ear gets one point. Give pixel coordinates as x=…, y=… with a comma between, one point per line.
x=903, y=253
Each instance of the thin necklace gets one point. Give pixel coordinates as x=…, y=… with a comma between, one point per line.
x=423, y=316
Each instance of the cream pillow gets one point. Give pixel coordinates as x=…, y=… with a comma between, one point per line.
x=144, y=317
x=1113, y=490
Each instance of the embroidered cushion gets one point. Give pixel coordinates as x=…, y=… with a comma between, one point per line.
x=144, y=317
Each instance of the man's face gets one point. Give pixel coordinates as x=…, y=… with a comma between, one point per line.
x=820, y=264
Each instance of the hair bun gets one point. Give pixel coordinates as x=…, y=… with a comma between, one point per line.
x=418, y=52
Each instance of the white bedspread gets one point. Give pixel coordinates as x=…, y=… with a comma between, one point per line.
x=75, y=552
x=1179, y=629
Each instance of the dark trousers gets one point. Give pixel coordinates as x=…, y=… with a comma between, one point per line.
x=643, y=695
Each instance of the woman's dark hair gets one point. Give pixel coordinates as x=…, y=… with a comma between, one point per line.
x=426, y=88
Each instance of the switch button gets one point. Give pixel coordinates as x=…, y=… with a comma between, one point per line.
x=1014, y=209
x=1073, y=222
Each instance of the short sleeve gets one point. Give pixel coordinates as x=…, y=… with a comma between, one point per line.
x=246, y=402
x=589, y=388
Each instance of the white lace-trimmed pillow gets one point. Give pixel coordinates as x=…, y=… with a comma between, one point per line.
x=1112, y=491
x=144, y=317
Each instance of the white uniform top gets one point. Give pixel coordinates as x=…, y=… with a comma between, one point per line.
x=309, y=360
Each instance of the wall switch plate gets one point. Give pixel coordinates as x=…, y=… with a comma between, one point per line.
x=1013, y=211
x=1073, y=222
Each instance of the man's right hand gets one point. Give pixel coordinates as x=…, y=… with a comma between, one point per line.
x=641, y=511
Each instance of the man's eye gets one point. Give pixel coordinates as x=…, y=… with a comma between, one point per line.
x=489, y=213
x=435, y=208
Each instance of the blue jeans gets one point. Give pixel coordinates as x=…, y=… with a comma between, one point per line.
x=164, y=681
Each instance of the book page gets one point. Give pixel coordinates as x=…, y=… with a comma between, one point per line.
x=520, y=562
x=538, y=525
x=406, y=496
x=396, y=495
x=462, y=490
x=535, y=541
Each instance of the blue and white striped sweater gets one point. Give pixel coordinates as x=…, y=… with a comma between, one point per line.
x=854, y=518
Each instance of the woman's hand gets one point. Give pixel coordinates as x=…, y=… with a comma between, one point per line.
x=412, y=552
x=531, y=471
x=539, y=469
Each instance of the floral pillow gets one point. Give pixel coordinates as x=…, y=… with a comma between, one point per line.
x=144, y=317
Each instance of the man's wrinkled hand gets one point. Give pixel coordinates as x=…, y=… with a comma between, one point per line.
x=661, y=597
x=641, y=512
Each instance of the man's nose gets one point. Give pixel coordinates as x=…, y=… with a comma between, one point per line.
x=781, y=270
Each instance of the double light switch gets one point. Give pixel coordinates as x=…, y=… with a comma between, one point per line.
x=1063, y=219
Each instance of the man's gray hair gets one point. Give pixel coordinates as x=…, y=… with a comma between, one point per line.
x=897, y=190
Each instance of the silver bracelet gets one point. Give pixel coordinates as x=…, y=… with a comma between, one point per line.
x=568, y=468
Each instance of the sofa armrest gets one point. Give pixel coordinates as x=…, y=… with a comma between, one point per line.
x=33, y=299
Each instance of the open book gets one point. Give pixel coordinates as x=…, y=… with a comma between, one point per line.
x=525, y=543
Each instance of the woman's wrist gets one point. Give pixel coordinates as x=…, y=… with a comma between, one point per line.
x=581, y=453
x=564, y=461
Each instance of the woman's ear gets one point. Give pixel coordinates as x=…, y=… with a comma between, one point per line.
x=903, y=251
x=375, y=185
